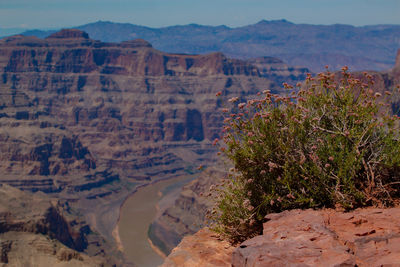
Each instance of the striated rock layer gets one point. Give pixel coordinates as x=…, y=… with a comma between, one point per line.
x=38, y=231
x=388, y=80
x=27, y=249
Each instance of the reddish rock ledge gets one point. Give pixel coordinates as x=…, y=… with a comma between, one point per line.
x=364, y=237
x=202, y=249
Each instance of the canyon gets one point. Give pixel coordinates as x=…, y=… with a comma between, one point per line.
x=84, y=124
x=88, y=122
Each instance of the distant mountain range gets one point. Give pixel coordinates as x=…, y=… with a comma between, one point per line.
x=4, y=31
x=314, y=46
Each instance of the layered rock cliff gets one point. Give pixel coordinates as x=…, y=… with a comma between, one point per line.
x=187, y=214
x=388, y=81
x=38, y=231
x=69, y=103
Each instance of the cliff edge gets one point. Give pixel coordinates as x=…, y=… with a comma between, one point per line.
x=39, y=231
x=364, y=237
x=201, y=249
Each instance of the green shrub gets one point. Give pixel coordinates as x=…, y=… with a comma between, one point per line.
x=332, y=142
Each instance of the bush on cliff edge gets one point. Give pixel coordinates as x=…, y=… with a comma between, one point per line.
x=330, y=143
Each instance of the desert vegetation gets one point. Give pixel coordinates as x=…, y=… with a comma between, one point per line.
x=330, y=142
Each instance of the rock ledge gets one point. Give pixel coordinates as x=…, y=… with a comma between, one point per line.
x=69, y=33
x=364, y=237
x=202, y=249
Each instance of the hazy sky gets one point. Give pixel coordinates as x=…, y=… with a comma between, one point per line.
x=158, y=13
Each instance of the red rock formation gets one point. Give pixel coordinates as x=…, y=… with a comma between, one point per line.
x=387, y=81
x=41, y=231
x=69, y=33
x=202, y=249
x=72, y=51
x=187, y=215
x=275, y=69
x=109, y=99
x=364, y=237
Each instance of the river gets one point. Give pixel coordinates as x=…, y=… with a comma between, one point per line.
x=136, y=214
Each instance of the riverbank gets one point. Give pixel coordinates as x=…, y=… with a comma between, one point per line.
x=135, y=216
x=117, y=238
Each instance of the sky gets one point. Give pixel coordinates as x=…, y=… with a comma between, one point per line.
x=45, y=14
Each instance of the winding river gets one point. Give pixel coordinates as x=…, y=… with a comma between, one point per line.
x=136, y=214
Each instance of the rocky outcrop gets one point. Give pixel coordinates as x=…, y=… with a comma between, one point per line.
x=38, y=231
x=364, y=237
x=69, y=33
x=31, y=213
x=276, y=70
x=188, y=213
x=73, y=51
x=41, y=156
x=396, y=68
x=388, y=81
x=202, y=249
x=27, y=249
